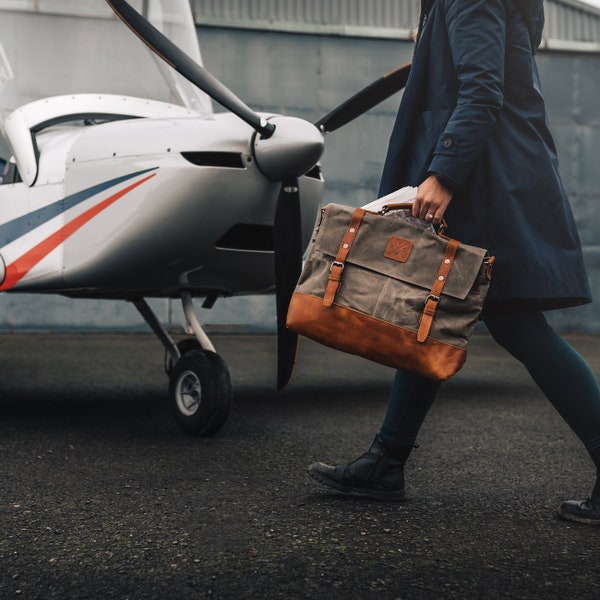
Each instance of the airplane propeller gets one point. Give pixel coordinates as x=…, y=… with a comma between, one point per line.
x=284, y=149
x=365, y=99
x=184, y=65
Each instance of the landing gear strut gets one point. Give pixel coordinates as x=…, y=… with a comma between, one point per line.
x=199, y=383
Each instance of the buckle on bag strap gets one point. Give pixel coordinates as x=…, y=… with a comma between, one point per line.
x=433, y=299
x=337, y=266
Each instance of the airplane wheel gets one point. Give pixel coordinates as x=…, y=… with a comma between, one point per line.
x=200, y=391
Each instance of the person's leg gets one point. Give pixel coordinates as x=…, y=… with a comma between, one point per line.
x=565, y=379
x=379, y=473
x=410, y=399
x=555, y=366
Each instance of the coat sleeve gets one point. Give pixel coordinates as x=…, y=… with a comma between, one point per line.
x=477, y=38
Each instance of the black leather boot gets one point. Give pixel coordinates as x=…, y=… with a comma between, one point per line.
x=379, y=473
x=586, y=511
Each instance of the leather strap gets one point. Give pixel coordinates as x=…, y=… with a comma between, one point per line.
x=435, y=293
x=337, y=266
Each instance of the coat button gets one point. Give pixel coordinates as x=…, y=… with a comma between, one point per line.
x=447, y=143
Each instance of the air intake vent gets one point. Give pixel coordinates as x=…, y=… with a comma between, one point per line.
x=247, y=237
x=226, y=160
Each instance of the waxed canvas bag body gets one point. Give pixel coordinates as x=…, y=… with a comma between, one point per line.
x=390, y=291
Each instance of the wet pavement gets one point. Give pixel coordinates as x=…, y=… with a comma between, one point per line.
x=103, y=497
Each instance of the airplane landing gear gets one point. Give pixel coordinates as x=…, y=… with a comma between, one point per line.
x=199, y=384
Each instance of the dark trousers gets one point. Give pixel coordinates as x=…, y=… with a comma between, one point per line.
x=557, y=368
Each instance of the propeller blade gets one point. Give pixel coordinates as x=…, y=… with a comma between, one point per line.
x=287, y=243
x=184, y=65
x=367, y=98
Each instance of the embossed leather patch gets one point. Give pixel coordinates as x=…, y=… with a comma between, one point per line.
x=398, y=249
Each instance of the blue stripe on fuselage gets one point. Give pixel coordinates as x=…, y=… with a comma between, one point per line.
x=14, y=229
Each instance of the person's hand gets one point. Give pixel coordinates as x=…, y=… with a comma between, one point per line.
x=431, y=201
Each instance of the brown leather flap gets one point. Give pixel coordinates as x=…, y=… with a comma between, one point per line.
x=426, y=254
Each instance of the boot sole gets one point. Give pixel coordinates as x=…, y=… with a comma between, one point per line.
x=567, y=516
x=383, y=495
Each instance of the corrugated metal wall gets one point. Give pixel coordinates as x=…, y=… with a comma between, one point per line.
x=371, y=13
x=307, y=75
x=572, y=21
x=566, y=20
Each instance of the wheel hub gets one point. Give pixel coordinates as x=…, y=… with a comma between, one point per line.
x=188, y=393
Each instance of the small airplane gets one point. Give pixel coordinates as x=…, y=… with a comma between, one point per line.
x=129, y=198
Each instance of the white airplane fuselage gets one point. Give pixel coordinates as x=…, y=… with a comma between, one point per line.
x=141, y=205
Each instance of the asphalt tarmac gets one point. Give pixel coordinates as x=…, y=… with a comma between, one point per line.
x=102, y=497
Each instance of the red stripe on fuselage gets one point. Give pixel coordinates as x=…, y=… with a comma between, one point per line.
x=18, y=269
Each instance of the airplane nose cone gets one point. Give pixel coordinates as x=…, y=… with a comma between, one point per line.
x=294, y=147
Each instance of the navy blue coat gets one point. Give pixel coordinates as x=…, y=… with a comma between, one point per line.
x=473, y=112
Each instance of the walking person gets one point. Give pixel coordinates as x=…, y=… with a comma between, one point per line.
x=472, y=134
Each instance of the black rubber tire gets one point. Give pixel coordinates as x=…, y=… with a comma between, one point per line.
x=201, y=393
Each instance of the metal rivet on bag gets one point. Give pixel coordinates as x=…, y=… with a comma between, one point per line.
x=441, y=278
x=447, y=261
x=345, y=245
x=352, y=230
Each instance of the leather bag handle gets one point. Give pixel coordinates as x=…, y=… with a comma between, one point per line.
x=408, y=206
